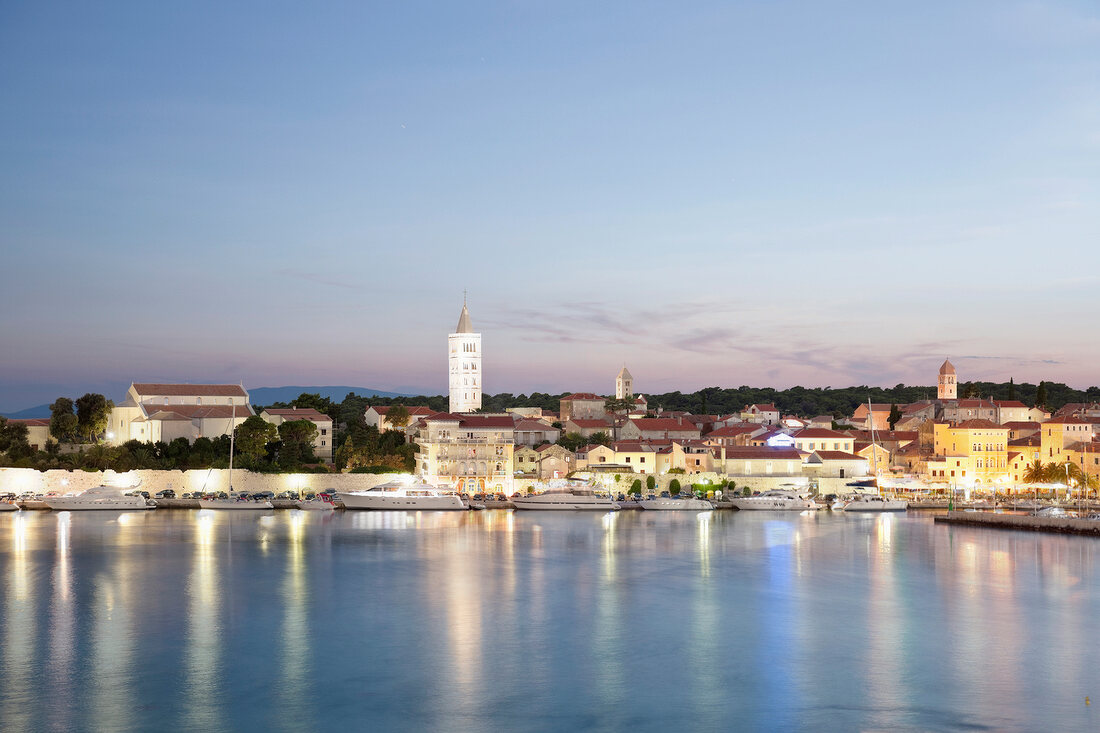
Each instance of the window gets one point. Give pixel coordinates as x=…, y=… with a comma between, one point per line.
x=641, y=460
x=324, y=431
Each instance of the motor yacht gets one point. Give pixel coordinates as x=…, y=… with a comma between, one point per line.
x=871, y=503
x=402, y=495
x=8, y=506
x=234, y=502
x=99, y=497
x=569, y=498
x=774, y=500
x=677, y=504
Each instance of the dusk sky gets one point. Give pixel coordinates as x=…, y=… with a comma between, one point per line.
x=715, y=194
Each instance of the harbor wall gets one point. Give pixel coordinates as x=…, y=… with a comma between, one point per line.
x=20, y=480
x=1067, y=525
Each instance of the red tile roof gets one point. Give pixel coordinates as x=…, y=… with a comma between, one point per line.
x=837, y=455
x=31, y=422
x=487, y=421
x=733, y=431
x=199, y=412
x=978, y=423
x=300, y=413
x=583, y=396
x=189, y=390
x=663, y=424
x=1009, y=403
x=414, y=410
x=750, y=452
x=534, y=426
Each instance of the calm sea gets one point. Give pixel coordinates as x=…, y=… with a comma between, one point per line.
x=482, y=621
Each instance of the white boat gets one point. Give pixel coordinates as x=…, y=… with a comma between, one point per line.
x=685, y=504
x=402, y=495
x=576, y=498
x=8, y=506
x=100, y=497
x=774, y=500
x=234, y=504
x=872, y=503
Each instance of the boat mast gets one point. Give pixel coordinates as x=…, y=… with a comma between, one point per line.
x=874, y=444
x=232, y=433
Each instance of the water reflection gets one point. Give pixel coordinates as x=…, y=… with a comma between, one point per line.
x=497, y=620
x=203, y=653
x=20, y=628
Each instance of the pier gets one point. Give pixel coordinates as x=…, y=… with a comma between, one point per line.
x=1061, y=525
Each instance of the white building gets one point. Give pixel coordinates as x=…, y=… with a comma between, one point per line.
x=153, y=412
x=322, y=444
x=471, y=453
x=464, y=365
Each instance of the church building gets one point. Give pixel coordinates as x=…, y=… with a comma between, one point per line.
x=464, y=365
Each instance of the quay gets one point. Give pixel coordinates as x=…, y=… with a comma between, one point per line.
x=1062, y=525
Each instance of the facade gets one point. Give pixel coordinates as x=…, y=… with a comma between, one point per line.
x=758, y=461
x=835, y=464
x=819, y=439
x=322, y=444
x=583, y=405
x=535, y=432
x=156, y=412
x=588, y=428
x=471, y=453
x=765, y=414
x=971, y=452
x=464, y=365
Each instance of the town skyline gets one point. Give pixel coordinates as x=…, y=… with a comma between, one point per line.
x=716, y=195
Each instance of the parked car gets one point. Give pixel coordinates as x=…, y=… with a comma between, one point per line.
x=263, y=495
x=165, y=494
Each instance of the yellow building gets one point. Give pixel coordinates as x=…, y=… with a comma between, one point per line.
x=1060, y=436
x=972, y=452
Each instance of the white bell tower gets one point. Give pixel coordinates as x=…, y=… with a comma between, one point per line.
x=464, y=365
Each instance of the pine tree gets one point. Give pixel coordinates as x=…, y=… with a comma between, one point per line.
x=1041, y=395
x=1011, y=389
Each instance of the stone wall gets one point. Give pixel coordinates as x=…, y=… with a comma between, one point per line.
x=19, y=480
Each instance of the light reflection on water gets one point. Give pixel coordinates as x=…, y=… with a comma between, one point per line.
x=294, y=620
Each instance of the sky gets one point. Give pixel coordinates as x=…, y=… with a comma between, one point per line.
x=712, y=193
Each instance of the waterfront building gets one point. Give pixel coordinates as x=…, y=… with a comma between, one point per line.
x=464, y=365
x=1059, y=437
x=835, y=464
x=153, y=412
x=971, y=452
x=588, y=428
x=322, y=443
x=471, y=453
x=758, y=461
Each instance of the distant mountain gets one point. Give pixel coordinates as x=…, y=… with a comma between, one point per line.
x=270, y=395
x=39, y=411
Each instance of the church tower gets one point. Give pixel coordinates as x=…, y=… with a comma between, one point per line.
x=948, y=388
x=464, y=365
x=624, y=385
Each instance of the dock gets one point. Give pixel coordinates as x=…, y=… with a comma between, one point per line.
x=1060, y=525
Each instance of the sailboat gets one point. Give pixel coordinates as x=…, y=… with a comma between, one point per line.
x=229, y=502
x=872, y=502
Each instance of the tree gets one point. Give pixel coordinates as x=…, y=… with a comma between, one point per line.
x=253, y=435
x=398, y=416
x=1035, y=473
x=13, y=438
x=63, y=420
x=297, y=438
x=600, y=438
x=93, y=414
x=613, y=404
x=895, y=415
x=650, y=483
x=572, y=441
x=674, y=487
x=1011, y=388
x=1041, y=395
x=636, y=487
